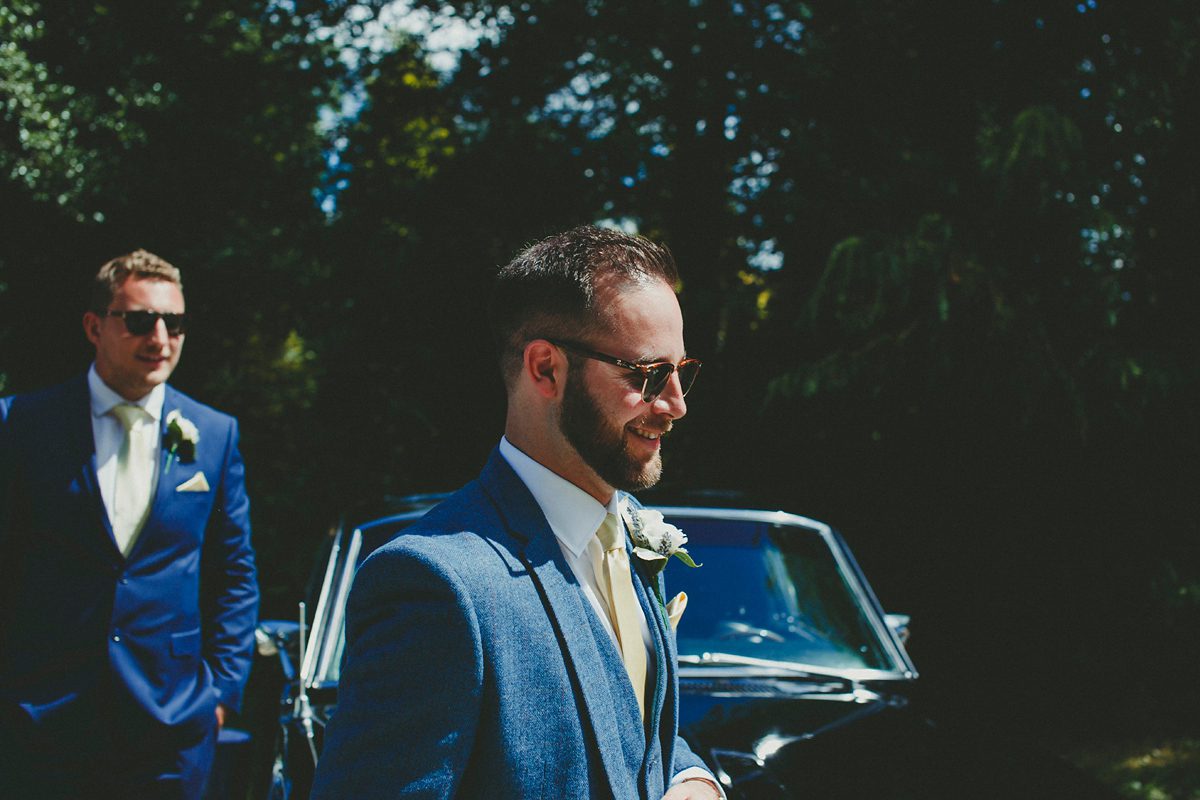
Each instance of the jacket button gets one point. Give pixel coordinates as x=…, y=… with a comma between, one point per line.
x=116, y=636
x=124, y=579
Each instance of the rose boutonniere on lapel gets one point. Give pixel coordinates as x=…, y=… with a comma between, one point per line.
x=181, y=438
x=655, y=540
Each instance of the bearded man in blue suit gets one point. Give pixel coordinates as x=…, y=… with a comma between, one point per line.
x=500, y=648
x=129, y=598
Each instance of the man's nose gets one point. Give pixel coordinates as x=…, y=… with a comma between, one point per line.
x=158, y=334
x=670, y=400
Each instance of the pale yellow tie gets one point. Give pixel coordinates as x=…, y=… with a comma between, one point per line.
x=135, y=478
x=617, y=582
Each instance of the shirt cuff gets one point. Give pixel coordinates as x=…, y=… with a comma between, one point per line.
x=698, y=772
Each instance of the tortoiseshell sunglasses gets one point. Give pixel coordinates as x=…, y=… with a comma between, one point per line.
x=654, y=376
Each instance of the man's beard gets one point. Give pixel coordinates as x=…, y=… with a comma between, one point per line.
x=602, y=445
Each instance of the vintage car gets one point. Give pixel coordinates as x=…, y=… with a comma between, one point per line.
x=794, y=683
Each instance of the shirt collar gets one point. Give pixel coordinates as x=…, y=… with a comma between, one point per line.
x=104, y=399
x=573, y=514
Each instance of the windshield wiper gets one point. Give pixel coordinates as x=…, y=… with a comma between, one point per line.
x=767, y=668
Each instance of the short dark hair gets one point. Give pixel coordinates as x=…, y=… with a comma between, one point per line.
x=549, y=290
x=139, y=263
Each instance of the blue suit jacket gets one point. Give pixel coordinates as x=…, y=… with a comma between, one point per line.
x=476, y=667
x=173, y=625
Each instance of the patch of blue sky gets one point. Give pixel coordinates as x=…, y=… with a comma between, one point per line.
x=765, y=257
x=362, y=38
x=365, y=35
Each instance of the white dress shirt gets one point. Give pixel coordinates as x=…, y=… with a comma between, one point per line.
x=108, y=433
x=574, y=517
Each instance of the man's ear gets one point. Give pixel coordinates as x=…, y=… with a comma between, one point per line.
x=91, y=326
x=545, y=367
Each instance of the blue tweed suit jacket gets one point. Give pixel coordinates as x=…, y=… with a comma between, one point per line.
x=77, y=618
x=476, y=667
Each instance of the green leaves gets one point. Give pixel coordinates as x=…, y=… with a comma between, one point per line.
x=43, y=149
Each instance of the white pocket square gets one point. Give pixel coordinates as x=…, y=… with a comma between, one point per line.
x=196, y=483
x=675, y=609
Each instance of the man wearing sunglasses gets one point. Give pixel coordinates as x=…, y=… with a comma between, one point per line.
x=505, y=646
x=129, y=601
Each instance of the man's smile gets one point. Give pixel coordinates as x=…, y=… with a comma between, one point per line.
x=648, y=435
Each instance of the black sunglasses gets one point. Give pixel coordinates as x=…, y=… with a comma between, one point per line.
x=654, y=376
x=139, y=323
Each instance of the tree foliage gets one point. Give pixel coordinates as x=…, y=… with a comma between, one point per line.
x=877, y=200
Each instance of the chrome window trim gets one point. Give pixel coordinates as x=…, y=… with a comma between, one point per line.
x=336, y=618
x=316, y=630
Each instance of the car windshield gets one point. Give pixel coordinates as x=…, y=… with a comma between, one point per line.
x=773, y=592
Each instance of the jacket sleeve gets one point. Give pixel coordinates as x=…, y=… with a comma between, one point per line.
x=230, y=586
x=686, y=759
x=410, y=693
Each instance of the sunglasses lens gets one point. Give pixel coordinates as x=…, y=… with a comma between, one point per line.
x=687, y=374
x=656, y=380
x=139, y=323
x=658, y=375
x=174, y=323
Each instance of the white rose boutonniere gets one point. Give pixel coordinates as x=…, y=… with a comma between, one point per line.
x=655, y=540
x=180, y=439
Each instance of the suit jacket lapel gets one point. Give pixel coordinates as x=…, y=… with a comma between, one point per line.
x=652, y=608
x=649, y=590
x=164, y=465
x=565, y=604
x=664, y=666
x=83, y=446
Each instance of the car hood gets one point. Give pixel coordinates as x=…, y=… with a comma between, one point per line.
x=863, y=744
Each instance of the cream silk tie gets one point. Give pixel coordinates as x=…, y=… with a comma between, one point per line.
x=135, y=478
x=617, y=581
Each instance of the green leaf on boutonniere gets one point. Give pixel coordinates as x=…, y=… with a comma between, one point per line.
x=656, y=540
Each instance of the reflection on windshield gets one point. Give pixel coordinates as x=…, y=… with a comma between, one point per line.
x=770, y=592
